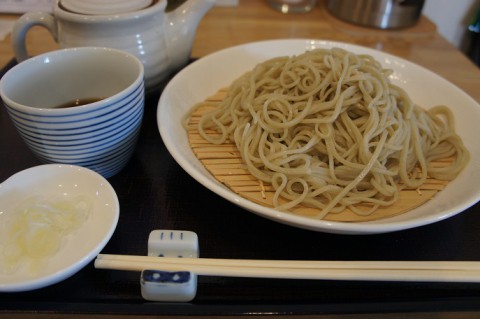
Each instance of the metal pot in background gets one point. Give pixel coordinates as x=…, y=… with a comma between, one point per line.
x=383, y=14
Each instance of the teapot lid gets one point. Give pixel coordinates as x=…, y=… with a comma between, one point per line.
x=104, y=7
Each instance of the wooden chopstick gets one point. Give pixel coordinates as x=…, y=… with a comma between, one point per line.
x=441, y=271
x=302, y=264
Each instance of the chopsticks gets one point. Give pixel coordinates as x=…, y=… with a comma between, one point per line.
x=432, y=271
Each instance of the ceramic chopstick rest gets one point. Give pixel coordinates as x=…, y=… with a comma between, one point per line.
x=176, y=286
x=159, y=285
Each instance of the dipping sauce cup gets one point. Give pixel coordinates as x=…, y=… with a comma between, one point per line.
x=81, y=106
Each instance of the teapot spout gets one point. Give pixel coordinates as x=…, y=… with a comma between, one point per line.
x=182, y=24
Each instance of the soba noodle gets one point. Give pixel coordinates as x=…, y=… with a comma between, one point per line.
x=329, y=130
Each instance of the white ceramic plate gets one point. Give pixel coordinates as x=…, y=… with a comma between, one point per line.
x=205, y=76
x=79, y=247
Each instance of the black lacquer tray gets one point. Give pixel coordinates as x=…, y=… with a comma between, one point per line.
x=155, y=193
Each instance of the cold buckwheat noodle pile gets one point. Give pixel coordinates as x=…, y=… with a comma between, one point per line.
x=327, y=129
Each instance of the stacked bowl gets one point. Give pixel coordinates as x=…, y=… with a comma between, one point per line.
x=81, y=106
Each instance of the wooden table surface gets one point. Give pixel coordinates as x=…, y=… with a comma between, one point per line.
x=254, y=20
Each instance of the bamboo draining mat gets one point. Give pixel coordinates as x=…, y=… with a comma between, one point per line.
x=226, y=165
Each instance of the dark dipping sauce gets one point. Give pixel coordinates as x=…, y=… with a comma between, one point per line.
x=77, y=102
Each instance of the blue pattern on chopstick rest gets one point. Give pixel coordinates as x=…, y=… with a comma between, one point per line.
x=166, y=277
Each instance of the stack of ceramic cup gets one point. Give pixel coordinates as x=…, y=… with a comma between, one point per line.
x=81, y=106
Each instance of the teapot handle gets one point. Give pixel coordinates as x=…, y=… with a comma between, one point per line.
x=23, y=24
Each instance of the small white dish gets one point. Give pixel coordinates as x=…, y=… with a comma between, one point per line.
x=425, y=87
x=77, y=248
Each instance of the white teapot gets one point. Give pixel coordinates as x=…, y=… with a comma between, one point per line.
x=161, y=40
